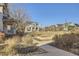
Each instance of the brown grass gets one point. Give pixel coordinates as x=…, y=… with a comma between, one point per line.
x=12, y=43
x=67, y=41
x=62, y=39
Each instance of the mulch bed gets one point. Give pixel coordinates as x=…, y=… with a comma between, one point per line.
x=32, y=53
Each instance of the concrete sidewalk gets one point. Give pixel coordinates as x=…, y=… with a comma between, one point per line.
x=53, y=51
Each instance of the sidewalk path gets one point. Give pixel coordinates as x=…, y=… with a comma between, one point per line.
x=53, y=51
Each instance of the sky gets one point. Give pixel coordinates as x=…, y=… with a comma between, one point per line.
x=51, y=13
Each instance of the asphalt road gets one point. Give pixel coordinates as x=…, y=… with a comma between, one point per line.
x=53, y=51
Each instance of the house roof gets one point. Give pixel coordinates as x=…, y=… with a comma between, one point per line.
x=31, y=22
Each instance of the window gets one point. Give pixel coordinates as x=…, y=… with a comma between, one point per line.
x=8, y=27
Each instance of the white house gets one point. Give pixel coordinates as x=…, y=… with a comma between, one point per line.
x=31, y=27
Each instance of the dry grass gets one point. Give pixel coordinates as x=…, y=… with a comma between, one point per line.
x=12, y=43
x=27, y=40
x=67, y=42
x=42, y=33
x=49, y=33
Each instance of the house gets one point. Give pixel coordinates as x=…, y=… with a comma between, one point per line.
x=31, y=27
x=9, y=26
x=69, y=26
x=8, y=23
x=62, y=27
x=59, y=27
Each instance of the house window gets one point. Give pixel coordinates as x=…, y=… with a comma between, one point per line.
x=8, y=27
x=29, y=29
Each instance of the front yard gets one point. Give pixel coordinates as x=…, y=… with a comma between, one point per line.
x=30, y=43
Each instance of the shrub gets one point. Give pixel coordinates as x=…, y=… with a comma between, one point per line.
x=11, y=43
x=27, y=39
x=66, y=41
x=18, y=42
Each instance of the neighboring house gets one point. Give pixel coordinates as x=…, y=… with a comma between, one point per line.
x=50, y=28
x=62, y=27
x=1, y=16
x=59, y=27
x=1, y=25
x=70, y=26
x=9, y=26
x=31, y=27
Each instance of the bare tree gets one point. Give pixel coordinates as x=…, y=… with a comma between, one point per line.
x=21, y=17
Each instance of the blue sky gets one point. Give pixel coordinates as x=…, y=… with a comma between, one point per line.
x=47, y=14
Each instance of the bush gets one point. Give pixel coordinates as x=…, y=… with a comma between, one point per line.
x=12, y=43
x=66, y=41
